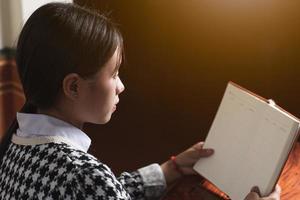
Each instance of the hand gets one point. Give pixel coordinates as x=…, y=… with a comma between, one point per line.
x=185, y=161
x=254, y=194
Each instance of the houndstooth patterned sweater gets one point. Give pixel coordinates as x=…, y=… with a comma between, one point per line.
x=51, y=167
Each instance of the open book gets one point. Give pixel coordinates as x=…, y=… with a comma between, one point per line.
x=252, y=138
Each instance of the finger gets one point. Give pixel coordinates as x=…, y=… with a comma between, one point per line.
x=198, y=146
x=278, y=188
x=252, y=196
x=205, y=152
x=256, y=190
x=276, y=193
x=189, y=158
x=189, y=171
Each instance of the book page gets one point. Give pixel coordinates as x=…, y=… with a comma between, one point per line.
x=250, y=139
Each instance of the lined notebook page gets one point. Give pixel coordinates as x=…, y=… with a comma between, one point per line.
x=251, y=141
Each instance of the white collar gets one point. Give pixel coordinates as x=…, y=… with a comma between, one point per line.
x=36, y=125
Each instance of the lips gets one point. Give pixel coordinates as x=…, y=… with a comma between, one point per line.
x=115, y=106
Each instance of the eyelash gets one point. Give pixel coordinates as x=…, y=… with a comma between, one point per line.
x=116, y=75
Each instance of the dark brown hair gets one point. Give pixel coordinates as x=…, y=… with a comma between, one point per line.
x=59, y=39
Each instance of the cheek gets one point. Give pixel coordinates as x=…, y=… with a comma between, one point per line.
x=105, y=94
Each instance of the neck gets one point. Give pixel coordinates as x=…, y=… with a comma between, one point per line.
x=63, y=115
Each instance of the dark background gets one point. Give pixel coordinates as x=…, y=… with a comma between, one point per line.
x=180, y=54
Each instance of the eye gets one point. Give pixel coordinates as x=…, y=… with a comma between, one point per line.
x=116, y=74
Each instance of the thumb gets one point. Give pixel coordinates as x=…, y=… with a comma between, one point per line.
x=202, y=152
x=256, y=190
x=252, y=196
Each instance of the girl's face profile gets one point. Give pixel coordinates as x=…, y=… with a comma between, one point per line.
x=100, y=94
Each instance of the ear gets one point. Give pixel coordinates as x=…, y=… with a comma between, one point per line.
x=70, y=86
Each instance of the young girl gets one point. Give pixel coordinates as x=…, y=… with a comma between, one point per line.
x=68, y=59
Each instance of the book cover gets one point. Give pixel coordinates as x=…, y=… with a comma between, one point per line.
x=252, y=138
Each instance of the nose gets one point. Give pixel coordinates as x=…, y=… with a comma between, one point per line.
x=120, y=86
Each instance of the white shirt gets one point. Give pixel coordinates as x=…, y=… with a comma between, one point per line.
x=38, y=125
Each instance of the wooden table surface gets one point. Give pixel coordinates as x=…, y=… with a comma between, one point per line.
x=289, y=180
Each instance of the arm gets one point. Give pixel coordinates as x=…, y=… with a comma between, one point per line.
x=98, y=182
x=146, y=183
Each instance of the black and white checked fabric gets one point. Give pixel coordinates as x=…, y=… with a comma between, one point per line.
x=54, y=171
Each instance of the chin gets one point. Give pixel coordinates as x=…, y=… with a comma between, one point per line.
x=100, y=119
x=103, y=120
x=106, y=121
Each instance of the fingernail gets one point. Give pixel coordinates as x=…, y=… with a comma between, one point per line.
x=209, y=150
x=200, y=144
